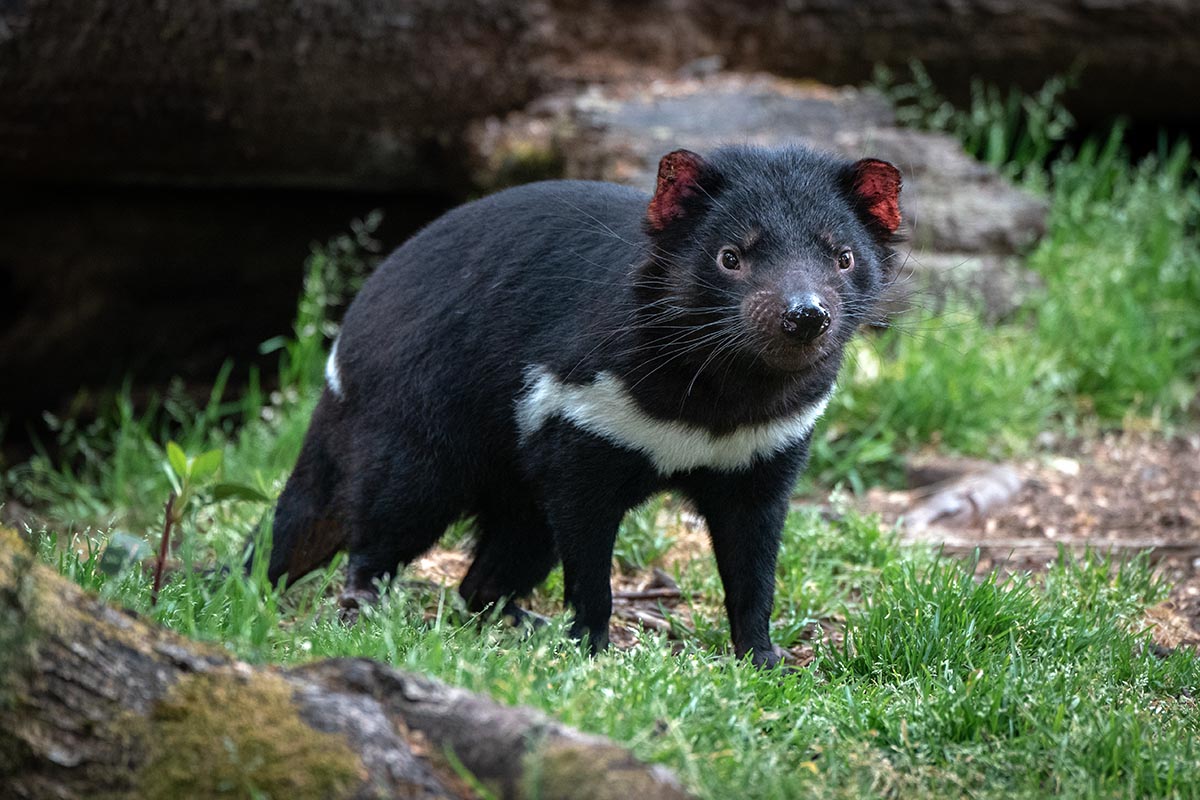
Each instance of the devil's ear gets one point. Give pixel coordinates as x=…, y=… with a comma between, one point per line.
x=875, y=185
x=679, y=175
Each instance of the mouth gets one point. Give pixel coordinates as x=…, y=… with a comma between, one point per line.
x=785, y=356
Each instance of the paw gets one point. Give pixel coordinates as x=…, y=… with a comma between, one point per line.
x=351, y=602
x=770, y=657
x=594, y=639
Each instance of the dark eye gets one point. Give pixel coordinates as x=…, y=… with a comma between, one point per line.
x=728, y=259
x=845, y=260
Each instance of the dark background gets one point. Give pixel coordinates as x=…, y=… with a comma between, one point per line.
x=164, y=169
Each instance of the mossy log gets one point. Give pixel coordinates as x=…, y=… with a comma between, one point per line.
x=95, y=702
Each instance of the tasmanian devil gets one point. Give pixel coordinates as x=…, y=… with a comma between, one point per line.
x=548, y=357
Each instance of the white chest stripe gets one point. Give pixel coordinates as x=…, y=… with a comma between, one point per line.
x=332, y=376
x=605, y=408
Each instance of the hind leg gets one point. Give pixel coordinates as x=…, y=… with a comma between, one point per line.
x=515, y=553
x=395, y=521
x=307, y=531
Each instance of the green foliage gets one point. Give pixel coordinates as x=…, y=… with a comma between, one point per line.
x=939, y=620
x=1046, y=677
x=947, y=381
x=1009, y=130
x=946, y=683
x=1122, y=271
x=191, y=476
x=333, y=274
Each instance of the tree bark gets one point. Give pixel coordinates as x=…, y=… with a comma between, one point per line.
x=375, y=93
x=96, y=702
x=357, y=94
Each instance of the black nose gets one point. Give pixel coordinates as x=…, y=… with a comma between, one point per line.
x=806, y=319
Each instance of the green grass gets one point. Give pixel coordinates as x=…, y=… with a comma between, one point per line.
x=1122, y=272
x=947, y=684
x=944, y=683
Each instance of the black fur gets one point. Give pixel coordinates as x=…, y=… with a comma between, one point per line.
x=571, y=276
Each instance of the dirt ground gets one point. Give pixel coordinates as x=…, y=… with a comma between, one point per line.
x=1120, y=494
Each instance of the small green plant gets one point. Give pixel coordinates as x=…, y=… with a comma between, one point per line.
x=191, y=477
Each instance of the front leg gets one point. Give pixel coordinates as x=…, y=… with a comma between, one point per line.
x=746, y=543
x=745, y=513
x=586, y=545
x=586, y=486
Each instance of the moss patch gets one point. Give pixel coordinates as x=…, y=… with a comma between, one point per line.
x=223, y=735
x=567, y=771
x=18, y=632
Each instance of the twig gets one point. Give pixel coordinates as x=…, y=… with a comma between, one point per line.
x=168, y=513
x=648, y=594
x=647, y=618
x=1028, y=546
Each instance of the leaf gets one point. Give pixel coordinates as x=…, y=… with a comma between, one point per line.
x=273, y=344
x=205, y=465
x=176, y=486
x=238, y=491
x=177, y=459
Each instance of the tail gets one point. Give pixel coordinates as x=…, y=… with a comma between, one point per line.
x=307, y=531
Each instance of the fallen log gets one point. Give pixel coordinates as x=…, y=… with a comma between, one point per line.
x=376, y=93
x=97, y=702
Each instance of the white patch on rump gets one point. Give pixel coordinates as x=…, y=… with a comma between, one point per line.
x=332, y=376
x=605, y=408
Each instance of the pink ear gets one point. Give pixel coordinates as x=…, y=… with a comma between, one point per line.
x=678, y=178
x=877, y=185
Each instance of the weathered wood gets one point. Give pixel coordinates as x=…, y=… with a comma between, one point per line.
x=94, y=701
x=1139, y=57
x=648, y=594
x=964, y=498
x=1032, y=547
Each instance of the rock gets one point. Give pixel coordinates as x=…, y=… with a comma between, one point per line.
x=996, y=285
x=966, y=224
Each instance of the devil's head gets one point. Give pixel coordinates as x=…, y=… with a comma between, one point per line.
x=774, y=257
